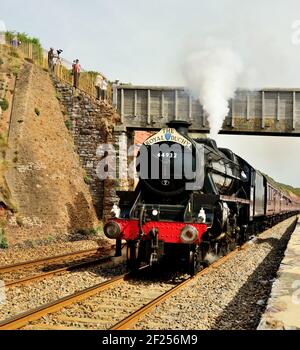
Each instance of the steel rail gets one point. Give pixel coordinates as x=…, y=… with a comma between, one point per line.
x=132, y=319
x=17, y=266
x=21, y=320
x=57, y=271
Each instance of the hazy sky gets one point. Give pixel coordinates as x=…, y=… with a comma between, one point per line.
x=145, y=42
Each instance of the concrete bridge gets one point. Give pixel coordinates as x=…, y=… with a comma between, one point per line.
x=260, y=112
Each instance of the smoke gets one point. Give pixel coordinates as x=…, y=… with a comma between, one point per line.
x=211, y=73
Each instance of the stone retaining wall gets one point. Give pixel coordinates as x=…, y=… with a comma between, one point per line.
x=91, y=123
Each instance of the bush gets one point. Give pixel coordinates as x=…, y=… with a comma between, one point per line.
x=3, y=141
x=1, y=61
x=37, y=112
x=14, y=54
x=23, y=37
x=37, y=49
x=14, y=65
x=91, y=232
x=3, y=240
x=88, y=180
x=4, y=104
x=68, y=124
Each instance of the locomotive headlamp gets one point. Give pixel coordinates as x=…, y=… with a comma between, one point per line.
x=154, y=212
x=189, y=234
x=112, y=230
x=202, y=216
x=115, y=211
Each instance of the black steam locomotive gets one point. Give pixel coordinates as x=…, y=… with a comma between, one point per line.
x=193, y=201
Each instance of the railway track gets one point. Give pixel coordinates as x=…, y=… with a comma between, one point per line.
x=43, y=261
x=114, y=304
x=25, y=272
x=51, y=273
x=132, y=319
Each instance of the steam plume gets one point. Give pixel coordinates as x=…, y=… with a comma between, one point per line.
x=211, y=73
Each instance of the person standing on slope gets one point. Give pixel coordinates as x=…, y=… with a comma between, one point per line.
x=51, y=60
x=76, y=69
x=98, y=84
x=104, y=89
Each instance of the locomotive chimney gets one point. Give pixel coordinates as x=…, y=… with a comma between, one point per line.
x=181, y=126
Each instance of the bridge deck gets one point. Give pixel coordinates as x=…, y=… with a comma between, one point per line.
x=270, y=111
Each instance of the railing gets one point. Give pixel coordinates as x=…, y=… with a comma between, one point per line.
x=62, y=69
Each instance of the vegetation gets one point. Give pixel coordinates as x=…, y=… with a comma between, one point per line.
x=14, y=65
x=87, y=232
x=23, y=38
x=1, y=61
x=92, y=73
x=87, y=179
x=3, y=240
x=14, y=54
x=50, y=238
x=37, y=49
x=92, y=232
x=68, y=124
x=3, y=144
x=58, y=96
x=29, y=243
x=4, y=104
x=37, y=112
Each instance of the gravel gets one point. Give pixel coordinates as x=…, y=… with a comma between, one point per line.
x=17, y=255
x=30, y=271
x=27, y=297
x=105, y=309
x=232, y=296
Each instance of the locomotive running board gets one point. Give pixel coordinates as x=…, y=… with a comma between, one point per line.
x=234, y=199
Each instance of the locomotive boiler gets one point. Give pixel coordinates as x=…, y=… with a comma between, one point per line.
x=193, y=201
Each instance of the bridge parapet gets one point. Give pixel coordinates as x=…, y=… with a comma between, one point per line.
x=151, y=107
x=270, y=111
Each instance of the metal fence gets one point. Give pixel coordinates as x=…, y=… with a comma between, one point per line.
x=62, y=69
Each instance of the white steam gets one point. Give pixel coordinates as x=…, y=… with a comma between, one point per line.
x=211, y=73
